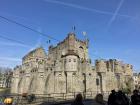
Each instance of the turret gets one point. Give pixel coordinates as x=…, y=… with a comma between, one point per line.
x=70, y=61
x=128, y=70
x=101, y=66
x=118, y=67
x=71, y=41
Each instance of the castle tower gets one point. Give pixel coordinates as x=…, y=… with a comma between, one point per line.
x=128, y=70
x=119, y=73
x=15, y=80
x=71, y=41
x=71, y=60
x=128, y=76
x=101, y=71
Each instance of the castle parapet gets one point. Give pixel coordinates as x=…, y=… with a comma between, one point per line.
x=118, y=67
x=128, y=69
x=101, y=66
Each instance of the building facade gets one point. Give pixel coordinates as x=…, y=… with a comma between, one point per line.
x=67, y=68
x=136, y=78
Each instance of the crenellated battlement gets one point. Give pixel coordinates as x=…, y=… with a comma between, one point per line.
x=101, y=65
x=128, y=69
x=114, y=66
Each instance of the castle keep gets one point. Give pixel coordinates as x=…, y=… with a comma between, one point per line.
x=67, y=68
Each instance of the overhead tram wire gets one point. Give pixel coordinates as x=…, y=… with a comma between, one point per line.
x=12, y=21
x=16, y=41
x=13, y=40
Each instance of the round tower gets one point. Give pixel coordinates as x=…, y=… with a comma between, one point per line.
x=70, y=61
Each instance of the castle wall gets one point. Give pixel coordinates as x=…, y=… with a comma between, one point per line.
x=67, y=69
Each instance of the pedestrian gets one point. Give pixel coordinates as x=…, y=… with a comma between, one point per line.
x=135, y=98
x=112, y=97
x=1, y=101
x=78, y=100
x=122, y=98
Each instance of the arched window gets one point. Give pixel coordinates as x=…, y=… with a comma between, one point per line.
x=81, y=47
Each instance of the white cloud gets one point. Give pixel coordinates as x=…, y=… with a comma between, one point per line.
x=14, y=44
x=39, y=40
x=87, y=9
x=10, y=59
x=9, y=62
x=19, y=17
x=116, y=13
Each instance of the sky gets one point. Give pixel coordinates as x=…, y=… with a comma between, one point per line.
x=112, y=27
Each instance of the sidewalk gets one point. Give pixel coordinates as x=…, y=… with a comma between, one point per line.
x=86, y=102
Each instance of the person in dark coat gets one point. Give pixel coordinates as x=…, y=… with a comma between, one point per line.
x=121, y=98
x=112, y=97
x=135, y=98
x=78, y=100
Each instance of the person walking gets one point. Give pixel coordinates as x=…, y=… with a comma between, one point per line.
x=112, y=97
x=122, y=98
x=135, y=98
x=78, y=100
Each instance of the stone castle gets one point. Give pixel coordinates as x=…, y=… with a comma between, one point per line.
x=67, y=68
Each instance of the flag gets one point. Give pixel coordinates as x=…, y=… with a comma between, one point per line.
x=48, y=41
x=73, y=28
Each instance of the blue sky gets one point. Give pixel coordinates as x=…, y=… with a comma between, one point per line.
x=111, y=25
